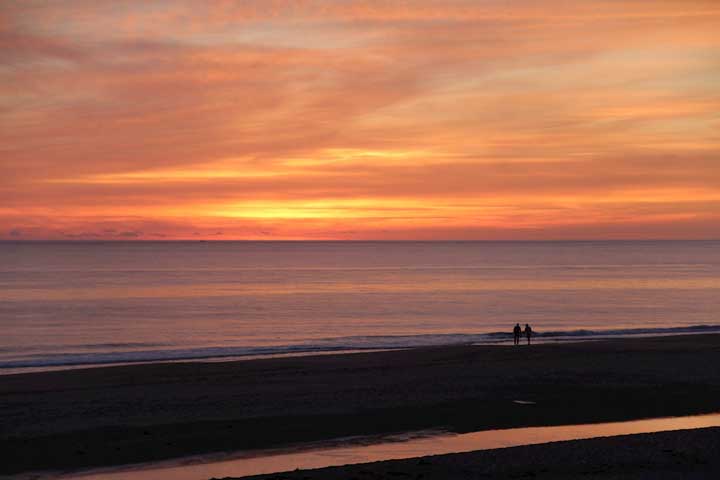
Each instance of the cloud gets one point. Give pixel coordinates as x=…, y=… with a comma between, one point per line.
x=188, y=114
x=130, y=234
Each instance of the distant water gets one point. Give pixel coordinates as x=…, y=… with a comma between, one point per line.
x=87, y=303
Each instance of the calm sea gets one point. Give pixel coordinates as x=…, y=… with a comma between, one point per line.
x=85, y=303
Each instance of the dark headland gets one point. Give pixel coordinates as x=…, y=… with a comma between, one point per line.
x=126, y=414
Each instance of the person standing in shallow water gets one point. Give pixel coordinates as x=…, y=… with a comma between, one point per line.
x=516, y=334
x=528, y=332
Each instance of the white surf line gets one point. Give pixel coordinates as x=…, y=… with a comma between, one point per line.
x=400, y=447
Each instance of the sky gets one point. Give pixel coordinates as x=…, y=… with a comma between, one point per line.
x=422, y=119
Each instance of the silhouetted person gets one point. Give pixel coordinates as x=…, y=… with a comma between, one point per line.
x=528, y=332
x=516, y=334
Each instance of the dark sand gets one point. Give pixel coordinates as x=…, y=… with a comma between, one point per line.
x=685, y=454
x=115, y=415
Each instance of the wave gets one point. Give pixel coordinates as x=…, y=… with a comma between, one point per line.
x=330, y=345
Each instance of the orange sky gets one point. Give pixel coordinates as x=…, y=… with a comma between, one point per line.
x=268, y=119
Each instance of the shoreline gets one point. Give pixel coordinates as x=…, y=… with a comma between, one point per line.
x=118, y=415
x=356, y=450
x=679, y=454
x=102, y=359
x=218, y=359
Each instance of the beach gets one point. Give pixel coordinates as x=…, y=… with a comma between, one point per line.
x=126, y=414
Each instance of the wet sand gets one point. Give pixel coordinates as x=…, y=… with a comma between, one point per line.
x=684, y=454
x=116, y=415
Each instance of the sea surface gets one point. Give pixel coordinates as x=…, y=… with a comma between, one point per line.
x=68, y=304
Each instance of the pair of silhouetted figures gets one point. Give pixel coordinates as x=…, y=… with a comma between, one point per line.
x=517, y=332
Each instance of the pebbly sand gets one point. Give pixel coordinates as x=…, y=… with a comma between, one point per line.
x=116, y=415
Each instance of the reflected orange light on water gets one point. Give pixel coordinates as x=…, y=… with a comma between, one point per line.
x=385, y=284
x=397, y=447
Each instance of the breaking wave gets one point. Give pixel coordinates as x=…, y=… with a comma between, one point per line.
x=330, y=345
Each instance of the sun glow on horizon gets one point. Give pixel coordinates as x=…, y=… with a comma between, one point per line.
x=327, y=120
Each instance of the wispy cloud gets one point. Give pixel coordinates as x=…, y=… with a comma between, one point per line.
x=360, y=119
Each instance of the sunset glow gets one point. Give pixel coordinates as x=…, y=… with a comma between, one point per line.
x=390, y=120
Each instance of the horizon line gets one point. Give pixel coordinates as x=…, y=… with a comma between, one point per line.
x=214, y=240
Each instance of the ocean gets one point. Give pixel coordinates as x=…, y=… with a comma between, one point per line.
x=70, y=304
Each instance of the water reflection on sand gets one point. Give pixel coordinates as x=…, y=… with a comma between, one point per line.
x=392, y=447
